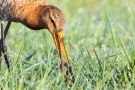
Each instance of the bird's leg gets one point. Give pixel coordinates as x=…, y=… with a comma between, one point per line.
x=0, y=54
x=0, y=57
x=3, y=46
x=6, y=29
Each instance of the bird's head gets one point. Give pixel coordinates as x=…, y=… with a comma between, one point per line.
x=54, y=21
x=53, y=18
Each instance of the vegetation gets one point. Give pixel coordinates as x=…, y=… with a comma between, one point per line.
x=99, y=39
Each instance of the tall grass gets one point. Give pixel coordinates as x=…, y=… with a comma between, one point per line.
x=99, y=38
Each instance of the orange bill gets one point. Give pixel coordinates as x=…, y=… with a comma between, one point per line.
x=60, y=46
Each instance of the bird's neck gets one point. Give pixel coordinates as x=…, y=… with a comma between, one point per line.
x=33, y=18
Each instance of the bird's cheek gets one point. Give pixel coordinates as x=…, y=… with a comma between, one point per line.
x=48, y=26
x=51, y=30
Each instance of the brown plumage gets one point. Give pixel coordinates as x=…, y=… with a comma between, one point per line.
x=36, y=15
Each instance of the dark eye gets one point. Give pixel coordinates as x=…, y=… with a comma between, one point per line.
x=52, y=21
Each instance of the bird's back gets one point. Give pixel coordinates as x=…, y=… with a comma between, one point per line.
x=18, y=8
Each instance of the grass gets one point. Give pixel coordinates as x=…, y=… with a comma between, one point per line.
x=99, y=38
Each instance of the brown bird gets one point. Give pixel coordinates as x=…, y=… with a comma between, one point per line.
x=36, y=15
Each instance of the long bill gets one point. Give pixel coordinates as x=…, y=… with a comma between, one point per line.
x=60, y=46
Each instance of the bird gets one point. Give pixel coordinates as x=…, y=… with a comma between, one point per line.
x=36, y=15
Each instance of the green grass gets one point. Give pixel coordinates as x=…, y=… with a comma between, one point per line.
x=99, y=39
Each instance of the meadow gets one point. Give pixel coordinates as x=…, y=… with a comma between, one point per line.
x=99, y=39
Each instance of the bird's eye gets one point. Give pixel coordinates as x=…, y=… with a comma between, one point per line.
x=52, y=21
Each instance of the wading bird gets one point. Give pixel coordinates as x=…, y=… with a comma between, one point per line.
x=36, y=15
